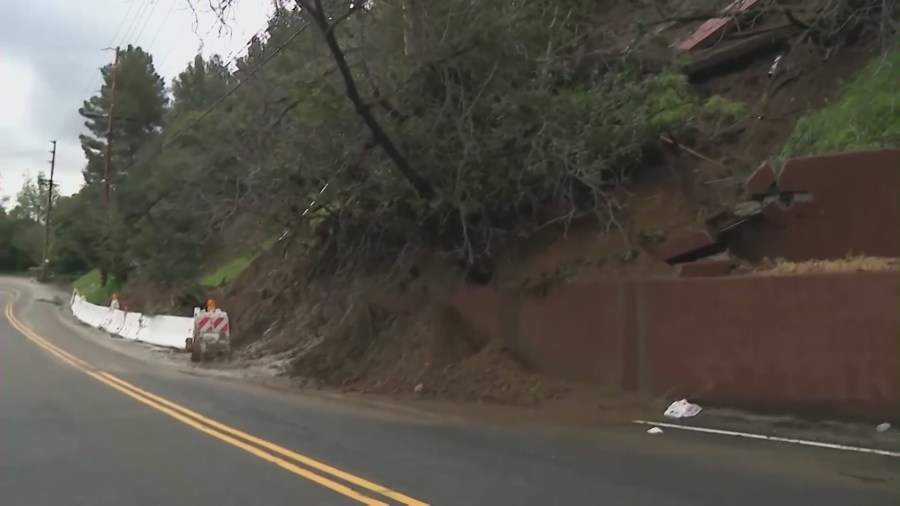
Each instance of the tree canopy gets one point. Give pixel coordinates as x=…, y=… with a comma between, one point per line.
x=22, y=225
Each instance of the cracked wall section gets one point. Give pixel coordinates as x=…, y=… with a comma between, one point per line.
x=842, y=204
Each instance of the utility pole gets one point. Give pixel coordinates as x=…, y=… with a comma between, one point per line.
x=109, y=129
x=46, y=263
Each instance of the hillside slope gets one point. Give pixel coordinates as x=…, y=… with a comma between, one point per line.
x=392, y=332
x=523, y=147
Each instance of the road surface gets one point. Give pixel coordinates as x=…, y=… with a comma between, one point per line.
x=81, y=424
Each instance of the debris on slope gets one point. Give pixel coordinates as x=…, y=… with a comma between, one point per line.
x=849, y=264
x=426, y=354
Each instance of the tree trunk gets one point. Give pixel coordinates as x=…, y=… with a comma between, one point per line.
x=421, y=185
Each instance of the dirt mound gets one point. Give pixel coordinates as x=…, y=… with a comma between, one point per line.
x=151, y=299
x=429, y=354
x=385, y=332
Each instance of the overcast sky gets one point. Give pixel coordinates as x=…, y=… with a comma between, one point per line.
x=50, y=55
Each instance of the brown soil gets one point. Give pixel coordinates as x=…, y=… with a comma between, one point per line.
x=658, y=206
x=152, y=299
x=805, y=82
x=372, y=336
x=427, y=354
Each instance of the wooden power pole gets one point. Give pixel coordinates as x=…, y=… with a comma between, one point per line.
x=46, y=264
x=109, y=129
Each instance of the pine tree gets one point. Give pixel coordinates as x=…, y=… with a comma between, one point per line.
x=201, y=85
x=140, y=106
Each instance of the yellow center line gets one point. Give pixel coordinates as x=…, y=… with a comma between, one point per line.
x=219, y=430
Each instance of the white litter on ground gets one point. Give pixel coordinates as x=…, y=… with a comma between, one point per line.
x=682, y=409
x=883, y=427
x=654, y=430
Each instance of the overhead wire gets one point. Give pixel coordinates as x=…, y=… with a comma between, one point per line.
x=162, y=24
x=168, y=138
x=142, y=13
x=132, y=33
x=250, y=76
x=233, y=55
x=112, y=42
x=116, y=40
x=137, y=38
x=97, y=75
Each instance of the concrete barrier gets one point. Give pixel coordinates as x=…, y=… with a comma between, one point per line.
x=131, y=329
x=162, y=330
x=167, y=331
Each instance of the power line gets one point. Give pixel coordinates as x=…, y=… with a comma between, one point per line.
x=122, y=23
x=141, y=13
x=50, y=184
x=135, y=20
x=237, y=52
x=162, y=24
x=234, y=54
x=109, y=131
x=172, y=46
x=147, y=23
x=94, y=76
x=250, y=75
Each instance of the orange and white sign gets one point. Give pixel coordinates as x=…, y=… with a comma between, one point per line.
x=212, y=322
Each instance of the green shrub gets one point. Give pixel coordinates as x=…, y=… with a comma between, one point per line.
x=89, y=286
x=865, y=114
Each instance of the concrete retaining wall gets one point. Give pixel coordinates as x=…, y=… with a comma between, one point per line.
x=824, y=344
x=820, y=344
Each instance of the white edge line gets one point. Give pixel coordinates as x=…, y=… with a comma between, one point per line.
x=804, y=442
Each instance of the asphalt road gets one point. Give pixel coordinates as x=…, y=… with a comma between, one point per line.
x=83, y=424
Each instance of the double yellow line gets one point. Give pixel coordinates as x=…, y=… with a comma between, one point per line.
x=296, y=463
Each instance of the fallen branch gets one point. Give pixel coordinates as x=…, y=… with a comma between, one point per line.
x=669, y=140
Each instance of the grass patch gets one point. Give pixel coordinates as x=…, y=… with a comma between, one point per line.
x=89, y=286
x=230, y=271
x=226, y=273
x=863, y=116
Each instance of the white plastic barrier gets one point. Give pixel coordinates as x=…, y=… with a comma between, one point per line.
x=93, y=315
x=168, y=331
x=114, y=321
x=131, y=329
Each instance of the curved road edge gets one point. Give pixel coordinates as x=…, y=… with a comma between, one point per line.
x=294, y=462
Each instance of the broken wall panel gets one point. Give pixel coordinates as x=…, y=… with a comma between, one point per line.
x=714, y=26
x=850, y=205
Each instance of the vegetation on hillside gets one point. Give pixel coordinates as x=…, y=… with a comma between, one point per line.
x=863, y=116
x=22, y=226
x=371, y=130
x=93, y=288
